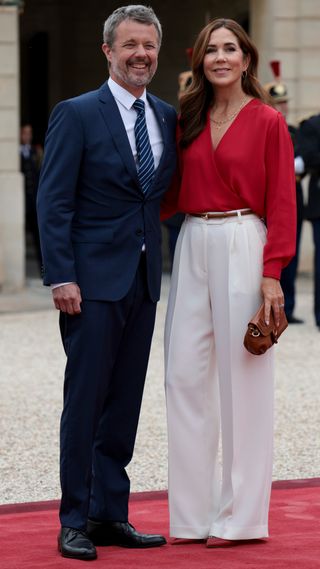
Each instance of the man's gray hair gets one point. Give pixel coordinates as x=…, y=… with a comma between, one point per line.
x=137, y=12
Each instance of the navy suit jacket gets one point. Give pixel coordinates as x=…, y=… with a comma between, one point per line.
x=93, y=215
x=309, y=141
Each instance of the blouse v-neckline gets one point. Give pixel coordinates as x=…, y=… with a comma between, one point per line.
x=215, y=148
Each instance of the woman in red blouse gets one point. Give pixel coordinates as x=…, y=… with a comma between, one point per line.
x=237, y=187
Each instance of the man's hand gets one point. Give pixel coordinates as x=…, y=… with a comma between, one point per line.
x=273, y=297
x=67, y=298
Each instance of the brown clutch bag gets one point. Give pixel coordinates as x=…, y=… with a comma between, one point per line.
x=259, y=336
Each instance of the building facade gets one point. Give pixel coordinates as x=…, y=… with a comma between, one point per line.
x=49, y=50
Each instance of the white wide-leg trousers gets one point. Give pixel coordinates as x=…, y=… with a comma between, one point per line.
x=213, y=384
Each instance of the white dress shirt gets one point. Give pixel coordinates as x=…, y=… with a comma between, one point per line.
x=124, y=101
x=25, y=150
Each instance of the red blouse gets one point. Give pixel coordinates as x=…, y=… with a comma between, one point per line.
x=252, y=167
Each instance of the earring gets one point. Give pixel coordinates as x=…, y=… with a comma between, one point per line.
x=244, y=74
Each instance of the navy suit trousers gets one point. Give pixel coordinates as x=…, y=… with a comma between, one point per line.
x=289, y=274
x=107, y=348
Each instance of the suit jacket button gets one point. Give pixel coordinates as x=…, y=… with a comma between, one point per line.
x=139, y=232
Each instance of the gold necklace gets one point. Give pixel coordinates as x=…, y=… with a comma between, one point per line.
x=230, y=117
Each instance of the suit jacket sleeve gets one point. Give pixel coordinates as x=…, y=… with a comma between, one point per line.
x=57, y=191
x=169, y=203
x=309, y=140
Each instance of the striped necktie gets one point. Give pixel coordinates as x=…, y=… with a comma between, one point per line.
x=144, y=151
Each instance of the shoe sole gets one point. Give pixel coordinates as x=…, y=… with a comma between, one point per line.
x=147, y=546
x=78, y=557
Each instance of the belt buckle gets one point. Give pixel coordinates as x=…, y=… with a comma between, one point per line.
x=205, y=216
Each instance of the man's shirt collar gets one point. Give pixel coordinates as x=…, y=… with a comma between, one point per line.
x=123, y=96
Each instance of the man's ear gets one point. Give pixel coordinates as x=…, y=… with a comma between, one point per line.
x=107, y=51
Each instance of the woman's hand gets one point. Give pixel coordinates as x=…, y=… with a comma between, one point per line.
x=272, y=297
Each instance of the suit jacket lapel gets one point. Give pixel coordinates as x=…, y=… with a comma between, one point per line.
x=114, y=123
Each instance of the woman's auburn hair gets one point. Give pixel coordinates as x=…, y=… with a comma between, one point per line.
x=200, y=94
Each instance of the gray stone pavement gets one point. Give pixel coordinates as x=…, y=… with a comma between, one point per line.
x=31, y=376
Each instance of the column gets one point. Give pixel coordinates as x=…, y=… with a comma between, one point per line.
x=289, y=30
x=12, y=254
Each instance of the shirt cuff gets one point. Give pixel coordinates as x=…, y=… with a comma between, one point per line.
x=56, y=285
x=298, y=165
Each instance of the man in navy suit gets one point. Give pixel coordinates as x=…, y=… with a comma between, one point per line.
x=100, y=237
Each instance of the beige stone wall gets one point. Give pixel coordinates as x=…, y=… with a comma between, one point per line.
x=289, y=30
x=11, y=187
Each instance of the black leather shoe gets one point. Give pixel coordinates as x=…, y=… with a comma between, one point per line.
x=76, y=544
x=293, y=320
x=122, y=534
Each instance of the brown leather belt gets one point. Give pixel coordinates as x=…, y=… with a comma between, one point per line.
x=222, y=214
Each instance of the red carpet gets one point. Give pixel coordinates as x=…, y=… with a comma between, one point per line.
x=28, y=537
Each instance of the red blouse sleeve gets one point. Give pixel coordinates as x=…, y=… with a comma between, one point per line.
x=280, y=204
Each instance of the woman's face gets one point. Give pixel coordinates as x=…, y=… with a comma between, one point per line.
x=224, y=61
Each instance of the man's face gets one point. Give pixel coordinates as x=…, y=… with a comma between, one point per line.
x=133, y=57
x=26, y=134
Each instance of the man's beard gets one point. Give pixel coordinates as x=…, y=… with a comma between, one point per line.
x=133, y=79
